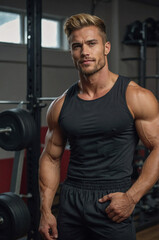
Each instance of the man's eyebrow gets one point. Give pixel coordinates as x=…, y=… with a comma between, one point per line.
x=74, y=43
x=92, y=40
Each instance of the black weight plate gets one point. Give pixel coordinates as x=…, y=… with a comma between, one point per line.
x=29, y=129
x=19, y=213
x=6, y=218
x=6, y=228
x=28, y=124
x=11, y=141
x=23, y=129
x=9, y=224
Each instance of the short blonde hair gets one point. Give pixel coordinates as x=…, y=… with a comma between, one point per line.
x=81, y=20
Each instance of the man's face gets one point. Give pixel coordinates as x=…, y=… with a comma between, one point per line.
x=88, y=50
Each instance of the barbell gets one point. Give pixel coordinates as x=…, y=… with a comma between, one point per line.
x=15, y=220
x=17, y=129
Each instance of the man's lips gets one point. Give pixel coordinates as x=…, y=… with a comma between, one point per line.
x=86, y=61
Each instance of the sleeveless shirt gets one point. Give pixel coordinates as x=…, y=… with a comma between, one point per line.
x=101, y=134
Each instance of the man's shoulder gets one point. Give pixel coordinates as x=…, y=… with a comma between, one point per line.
x=57, y=103
x=54, y=109
x=136, y=91
x=141, y=100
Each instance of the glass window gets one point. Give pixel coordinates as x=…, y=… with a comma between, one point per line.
x=10, y=27
x=13, y=29
x=50, y=33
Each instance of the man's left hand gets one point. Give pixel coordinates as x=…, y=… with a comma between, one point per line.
x=121, y=206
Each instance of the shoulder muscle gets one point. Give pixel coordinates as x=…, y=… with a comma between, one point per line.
x=54, y=112
x=141, y=102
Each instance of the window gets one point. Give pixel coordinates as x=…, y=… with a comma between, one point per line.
x=10, y=27
x=50, y=33
x=13, y=29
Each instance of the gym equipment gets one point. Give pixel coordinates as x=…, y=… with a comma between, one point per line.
x=145, y=34
x=150, y=29
x=157, y=31
x=14, y=217
x=133, y=31
x=17, y=129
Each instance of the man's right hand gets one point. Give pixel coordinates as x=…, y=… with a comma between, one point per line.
x=48, y=227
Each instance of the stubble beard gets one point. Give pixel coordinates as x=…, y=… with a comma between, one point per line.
x=96, y=68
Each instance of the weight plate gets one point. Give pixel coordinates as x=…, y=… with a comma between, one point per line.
x=21, y=135
x=18, y=214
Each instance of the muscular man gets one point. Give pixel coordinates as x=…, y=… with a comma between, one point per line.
x=101, y=116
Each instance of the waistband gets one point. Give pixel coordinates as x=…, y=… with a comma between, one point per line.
x=99, y=184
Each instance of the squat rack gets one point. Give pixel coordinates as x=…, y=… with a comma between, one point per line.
x=34, y=91
x=33, y=104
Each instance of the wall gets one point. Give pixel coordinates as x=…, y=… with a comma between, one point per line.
x=58, y=72
x=132, y=11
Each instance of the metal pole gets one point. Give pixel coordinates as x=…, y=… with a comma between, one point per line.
x=142, y=81
x=34, y=89
x=17, y=172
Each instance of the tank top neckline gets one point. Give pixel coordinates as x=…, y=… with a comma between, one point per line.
x=106, y=94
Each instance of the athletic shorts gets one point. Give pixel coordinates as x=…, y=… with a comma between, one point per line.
x=82, y=217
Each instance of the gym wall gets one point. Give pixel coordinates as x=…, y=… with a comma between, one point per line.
x=58, y=72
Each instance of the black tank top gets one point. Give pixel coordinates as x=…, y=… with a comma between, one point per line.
x=101, y=134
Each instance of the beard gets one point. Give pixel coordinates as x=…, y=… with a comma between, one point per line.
x=86, y=71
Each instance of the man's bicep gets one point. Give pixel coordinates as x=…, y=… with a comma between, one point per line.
x=147, y=124
x=145, y=109
x=55, y=143
x=55, y=140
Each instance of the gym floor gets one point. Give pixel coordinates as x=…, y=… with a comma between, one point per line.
x=151, y=233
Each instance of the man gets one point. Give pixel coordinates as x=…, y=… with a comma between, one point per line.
x=101, y=116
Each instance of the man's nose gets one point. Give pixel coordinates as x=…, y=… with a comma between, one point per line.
x=85, y=50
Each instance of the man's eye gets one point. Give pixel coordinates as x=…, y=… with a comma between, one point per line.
x=92, y=43
x=74, y=47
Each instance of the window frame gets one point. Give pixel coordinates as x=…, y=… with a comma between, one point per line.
x=21, y=20
x=23, y=26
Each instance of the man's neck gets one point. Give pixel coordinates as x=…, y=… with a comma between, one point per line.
x=95, y=86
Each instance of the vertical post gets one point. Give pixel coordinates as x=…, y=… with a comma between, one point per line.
x=34, y=89
x=115, y=34
x=142, y=80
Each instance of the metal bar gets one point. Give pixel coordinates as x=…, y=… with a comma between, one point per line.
x=143, y=56
x=5, y=130
x=1, y=220
x=17, y=172
x=26, y=102
x=34, y=91
x=13, y=102
x=47, y=98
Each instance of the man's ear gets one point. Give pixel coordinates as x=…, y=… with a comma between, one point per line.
x=107, y=48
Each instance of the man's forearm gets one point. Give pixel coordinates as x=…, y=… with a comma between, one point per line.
x=49, y=179
x=148, y=177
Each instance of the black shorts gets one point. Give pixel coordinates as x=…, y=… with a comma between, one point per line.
x=82, y=217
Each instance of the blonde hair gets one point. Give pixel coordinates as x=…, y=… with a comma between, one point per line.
x=81, y=20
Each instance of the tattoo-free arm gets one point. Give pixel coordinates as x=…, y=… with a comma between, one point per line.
x=147, y=125
x=49, y=172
